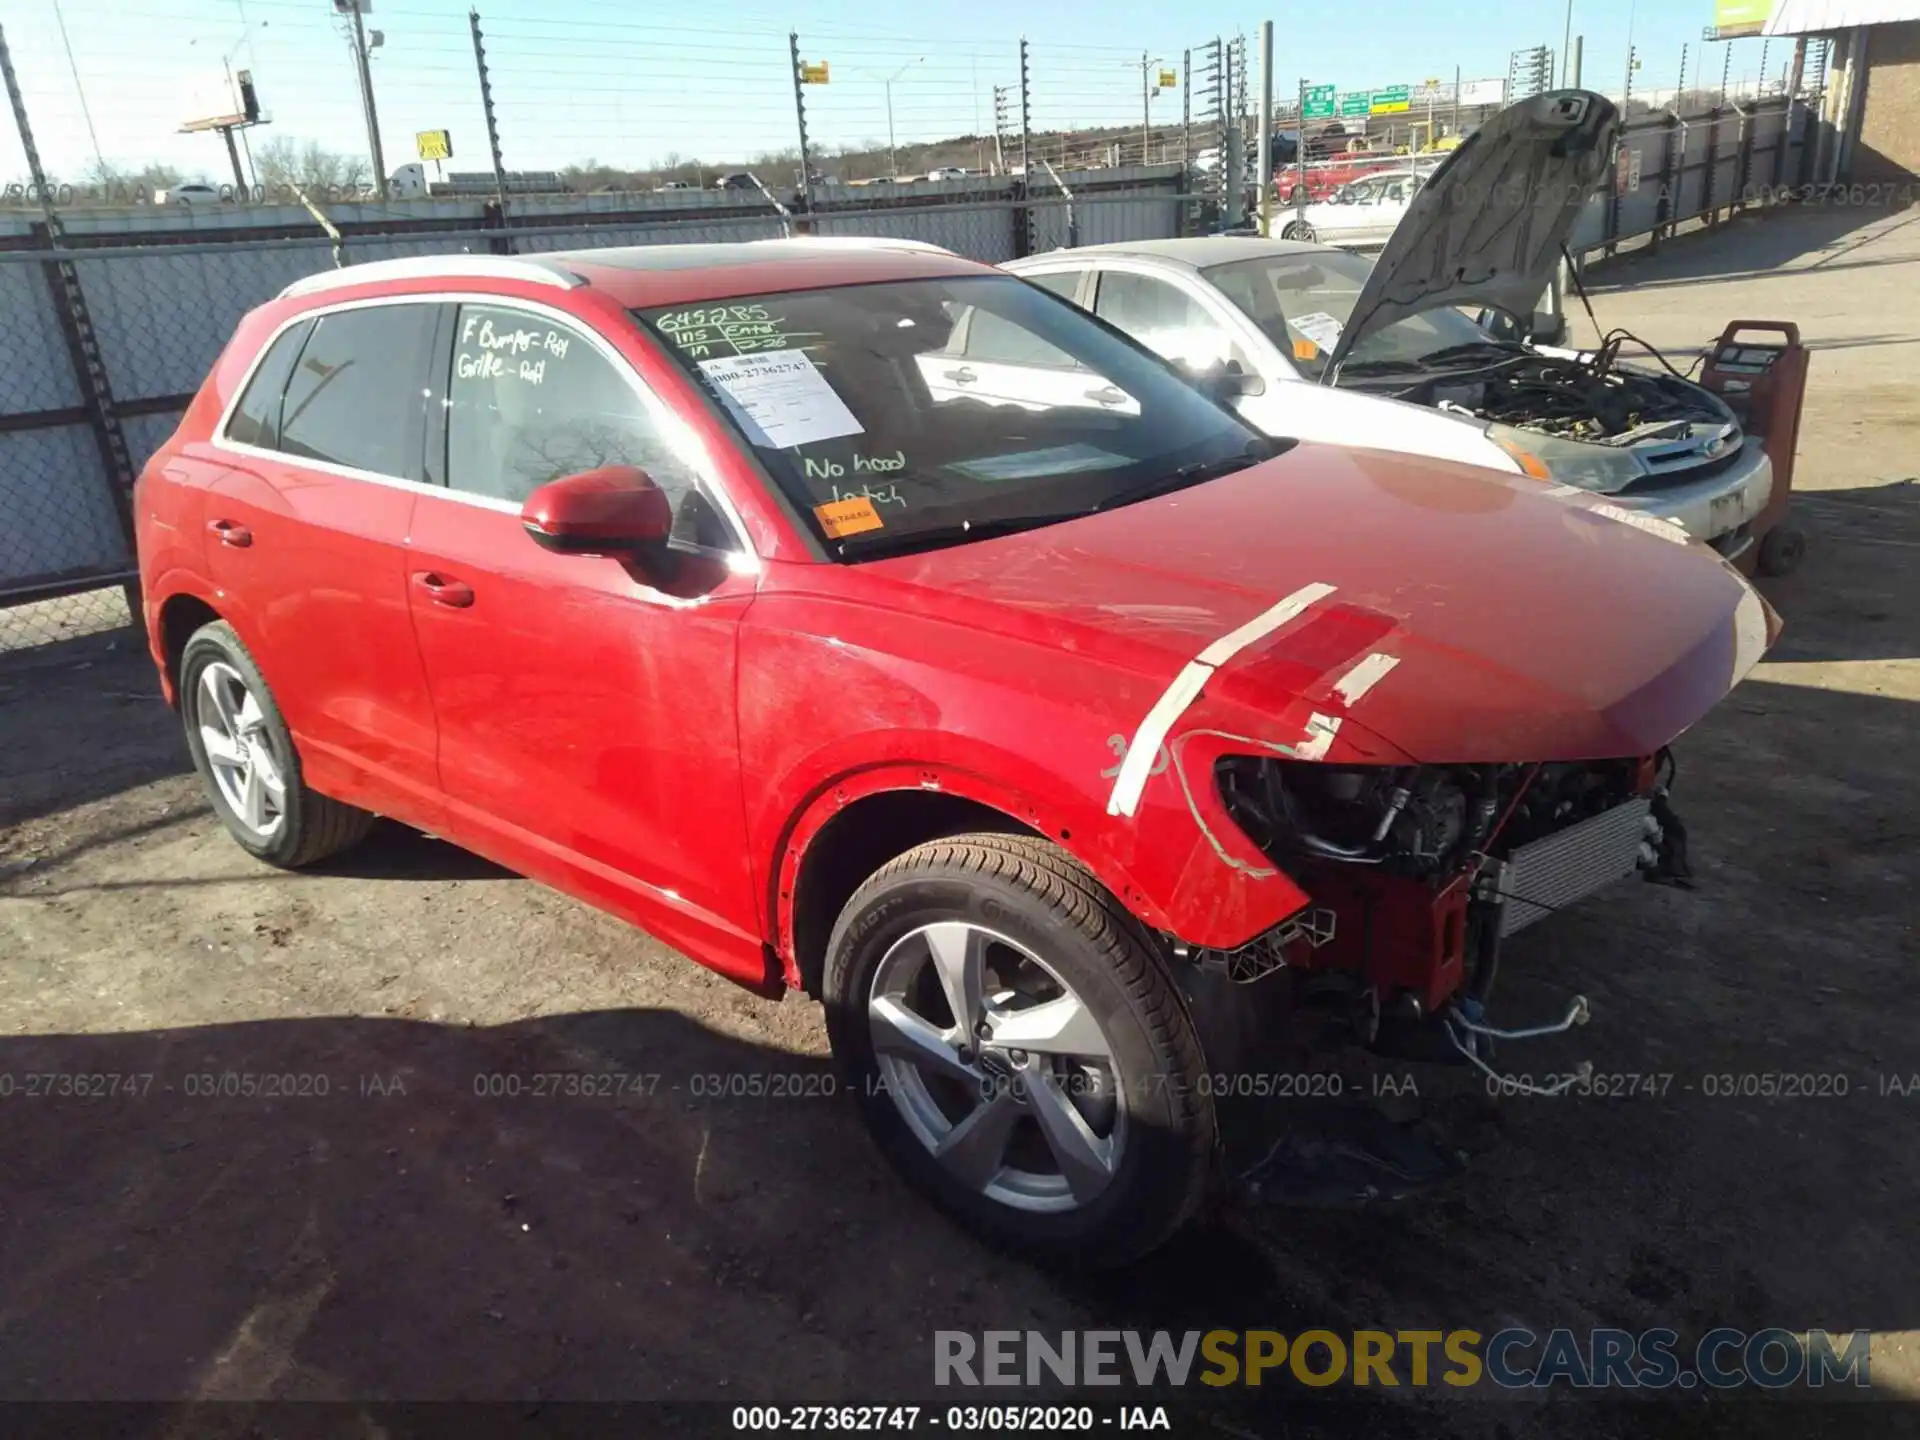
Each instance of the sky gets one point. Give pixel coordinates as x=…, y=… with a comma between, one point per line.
x=631, y=82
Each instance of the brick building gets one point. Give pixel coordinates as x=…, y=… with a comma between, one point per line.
x=1872, y=108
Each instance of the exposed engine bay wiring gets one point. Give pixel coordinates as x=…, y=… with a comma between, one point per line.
x=1580, y=399
x=1422, y=820
x=1587, y=397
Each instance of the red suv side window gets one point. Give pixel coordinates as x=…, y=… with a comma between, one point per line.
x=256, y=419
x=531, y=400
x=354, y=398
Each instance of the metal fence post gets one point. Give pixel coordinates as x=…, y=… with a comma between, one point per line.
x=1183, y=210
x=1022, y=216
x=1263, y=166
x=800, y=118
x=1780, y=144
x=1233, y=157
x=76, y=325
x=1665, y=202
x=493, y=124
x=1712, y=159
x=1300, y=160
x=1743, y=168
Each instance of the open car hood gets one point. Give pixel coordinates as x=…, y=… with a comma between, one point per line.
x=1487, y=229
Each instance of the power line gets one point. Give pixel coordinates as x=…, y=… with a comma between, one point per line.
x=79, y=89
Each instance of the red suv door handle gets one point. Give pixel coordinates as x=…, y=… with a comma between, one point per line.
x=232, y=533
x=444, y=590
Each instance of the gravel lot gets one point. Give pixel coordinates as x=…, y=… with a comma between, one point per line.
x=407, y=1235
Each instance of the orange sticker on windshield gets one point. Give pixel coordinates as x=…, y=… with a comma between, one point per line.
x=1305, y=350
x=848, y=517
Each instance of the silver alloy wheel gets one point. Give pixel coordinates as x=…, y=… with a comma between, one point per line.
x=998, y=1067
x=240, y=755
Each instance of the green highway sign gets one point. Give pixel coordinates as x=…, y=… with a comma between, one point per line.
x=1358, y=102
x=1318, y=102
x=1390, y=101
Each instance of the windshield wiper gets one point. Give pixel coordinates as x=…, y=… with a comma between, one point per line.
x=1508, y=348
x=965, y=531
x=1198, y=472
x=961, y=532
x=1381, y=367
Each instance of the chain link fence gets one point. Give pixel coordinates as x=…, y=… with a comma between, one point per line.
x=113, y=307
x=161, y=303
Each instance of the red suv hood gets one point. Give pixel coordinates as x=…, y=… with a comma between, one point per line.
x=1520, y=625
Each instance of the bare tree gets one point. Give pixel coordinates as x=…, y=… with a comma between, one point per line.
x=130, y=185
x=307, y=164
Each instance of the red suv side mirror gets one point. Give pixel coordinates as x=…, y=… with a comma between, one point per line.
x=614, y=510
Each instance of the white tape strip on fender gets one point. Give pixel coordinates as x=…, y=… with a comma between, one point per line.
x=1186, y=688
x=1368, y=673
x=1749, y=632
x=1319, y=738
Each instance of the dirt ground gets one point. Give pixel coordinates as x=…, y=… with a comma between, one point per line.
x=395, y=1231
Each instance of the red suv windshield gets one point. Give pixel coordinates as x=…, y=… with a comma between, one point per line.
x=916, y=413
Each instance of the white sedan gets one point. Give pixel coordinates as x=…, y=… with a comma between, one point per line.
x=1317, y=343
x=1357, y=216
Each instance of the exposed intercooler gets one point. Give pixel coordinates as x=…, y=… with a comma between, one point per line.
x=1551, y=873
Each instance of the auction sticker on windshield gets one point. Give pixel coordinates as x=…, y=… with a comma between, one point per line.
x=852, y=516
x=1319, y=327
x=779, y=398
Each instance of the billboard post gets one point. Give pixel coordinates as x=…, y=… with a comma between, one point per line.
x=224, y=101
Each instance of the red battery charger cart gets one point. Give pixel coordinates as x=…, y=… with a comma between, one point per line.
x=1764, y=383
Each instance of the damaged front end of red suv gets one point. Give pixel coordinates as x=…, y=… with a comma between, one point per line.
x=1418, y=874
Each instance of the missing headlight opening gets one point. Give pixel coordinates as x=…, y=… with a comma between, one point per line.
x=1422, y=870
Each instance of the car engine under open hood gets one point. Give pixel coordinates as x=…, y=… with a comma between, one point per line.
x=1487, y=230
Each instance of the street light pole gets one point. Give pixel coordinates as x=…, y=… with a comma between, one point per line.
x=1566, y=49
x=893, y=165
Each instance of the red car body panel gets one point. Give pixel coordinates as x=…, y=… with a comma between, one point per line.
x=672, y=757
x=586, y=728
x=1554, y=632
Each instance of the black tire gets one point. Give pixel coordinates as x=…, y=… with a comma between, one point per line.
x=1782, y=549
x=312, y=826
x=1298, y=230
x=1034, y=894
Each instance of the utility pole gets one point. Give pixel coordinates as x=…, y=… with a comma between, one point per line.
x=366, y=96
